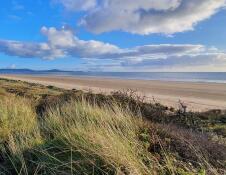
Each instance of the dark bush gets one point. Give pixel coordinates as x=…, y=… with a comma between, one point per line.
x=189, y=146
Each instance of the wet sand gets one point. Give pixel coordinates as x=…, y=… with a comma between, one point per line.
x=197, y=96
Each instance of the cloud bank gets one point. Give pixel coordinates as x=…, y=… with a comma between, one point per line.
x=63, y=43
x=143, y=16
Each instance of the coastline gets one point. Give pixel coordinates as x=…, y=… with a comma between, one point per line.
x=198, y=96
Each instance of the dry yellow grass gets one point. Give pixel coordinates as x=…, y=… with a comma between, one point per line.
x=19, y=124
x=78, y=138
x=107, y=133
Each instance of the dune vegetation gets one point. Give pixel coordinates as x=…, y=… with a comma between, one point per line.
x=51, y=131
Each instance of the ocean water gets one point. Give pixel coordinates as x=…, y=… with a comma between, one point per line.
x=217, y=77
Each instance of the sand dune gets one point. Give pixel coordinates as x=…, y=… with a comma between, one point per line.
x=197, y=96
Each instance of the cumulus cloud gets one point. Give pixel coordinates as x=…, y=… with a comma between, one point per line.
x=63, y=43
x=144, y=16
x=60, y=43
x=24, y=49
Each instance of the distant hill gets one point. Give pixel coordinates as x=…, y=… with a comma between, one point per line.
x=16, y=71
x=30, y=71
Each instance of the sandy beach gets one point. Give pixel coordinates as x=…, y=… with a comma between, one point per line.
x=197, y=96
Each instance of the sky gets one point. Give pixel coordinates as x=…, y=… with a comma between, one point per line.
x=114, y=35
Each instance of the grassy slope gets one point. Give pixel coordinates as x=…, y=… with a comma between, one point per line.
x=46, y=130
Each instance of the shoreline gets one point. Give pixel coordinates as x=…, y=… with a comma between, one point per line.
x=198, y=96
x=121, y=78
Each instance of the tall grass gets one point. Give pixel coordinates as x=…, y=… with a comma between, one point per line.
x=19, y=130
x=104, y=133
x=19, y=123
x=77, y=137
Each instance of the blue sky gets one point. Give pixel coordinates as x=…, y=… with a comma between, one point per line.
x=113, y=35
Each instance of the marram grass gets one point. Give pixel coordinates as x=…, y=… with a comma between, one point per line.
x=19, y=131
x=77, y=138
x=18, y=124
x=109, y=134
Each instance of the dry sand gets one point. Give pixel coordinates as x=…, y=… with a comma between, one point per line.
x=197, y=96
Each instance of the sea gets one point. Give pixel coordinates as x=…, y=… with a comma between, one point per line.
x=217, y=77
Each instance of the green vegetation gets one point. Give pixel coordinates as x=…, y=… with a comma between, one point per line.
x=51, y=131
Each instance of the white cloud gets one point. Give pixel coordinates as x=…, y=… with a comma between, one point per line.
x=24, y=49
x=60, y=43
x=161, y=50
x=184, y=63
x=77, y=5
x=63, y=43
x=146, y=16
x=180, y=61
